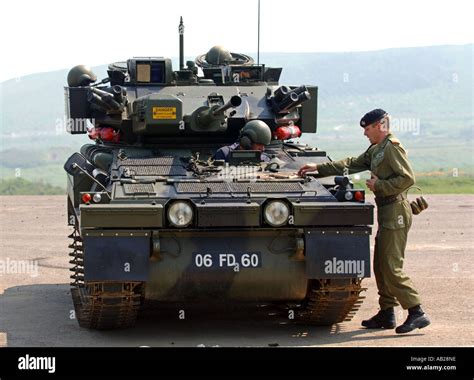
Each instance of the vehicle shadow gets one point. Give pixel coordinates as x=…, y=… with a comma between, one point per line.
x=43, y=316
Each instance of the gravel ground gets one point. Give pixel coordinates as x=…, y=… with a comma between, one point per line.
x=35, y=307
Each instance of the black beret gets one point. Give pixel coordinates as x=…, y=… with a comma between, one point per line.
x=372, y=116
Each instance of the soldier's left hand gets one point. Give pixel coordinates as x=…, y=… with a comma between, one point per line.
x=371, y=182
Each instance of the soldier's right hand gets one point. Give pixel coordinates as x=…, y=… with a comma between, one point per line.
x=307, y=168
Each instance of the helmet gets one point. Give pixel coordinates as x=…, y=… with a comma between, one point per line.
x=80, y=75
x=218, y=55
x=255, y=132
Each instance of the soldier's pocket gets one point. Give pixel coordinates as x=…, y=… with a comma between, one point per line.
x=376, y=160
x=395, y=216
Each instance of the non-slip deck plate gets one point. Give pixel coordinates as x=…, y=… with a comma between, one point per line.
x=233, y=187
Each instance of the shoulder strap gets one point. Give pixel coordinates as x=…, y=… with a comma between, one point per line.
x=394, y=140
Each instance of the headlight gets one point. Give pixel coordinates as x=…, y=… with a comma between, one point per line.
x=97, y=198
x=276, y=213
x=180, y=214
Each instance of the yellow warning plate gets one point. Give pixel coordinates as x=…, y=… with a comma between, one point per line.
x=164, y=113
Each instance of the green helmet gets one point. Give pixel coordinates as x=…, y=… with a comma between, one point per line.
x=218, y=55
x=80, y=75
x=255, y=132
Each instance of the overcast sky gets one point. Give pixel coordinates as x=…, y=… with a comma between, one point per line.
x=49, y=35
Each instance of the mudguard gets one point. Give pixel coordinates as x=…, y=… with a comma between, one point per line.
x=337, y=253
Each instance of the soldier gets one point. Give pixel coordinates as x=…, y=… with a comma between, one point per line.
x=253, y=136
x=392, y=175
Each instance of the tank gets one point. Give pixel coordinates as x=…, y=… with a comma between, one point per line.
x=157, y=218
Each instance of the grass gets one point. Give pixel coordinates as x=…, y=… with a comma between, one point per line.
x=20, y=186
x=430, y=184
x=440, y=184
x=53, y=174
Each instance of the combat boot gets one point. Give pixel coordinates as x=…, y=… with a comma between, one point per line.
x=416, y=319
x=384, y=319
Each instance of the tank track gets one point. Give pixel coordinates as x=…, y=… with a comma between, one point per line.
x=330, y=301
x=102, y=305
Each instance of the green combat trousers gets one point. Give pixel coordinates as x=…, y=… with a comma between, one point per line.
x=394, y=286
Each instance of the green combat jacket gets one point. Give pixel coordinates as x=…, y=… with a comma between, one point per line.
x=387, y=160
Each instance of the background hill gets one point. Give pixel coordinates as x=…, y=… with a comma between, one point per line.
x=427, y=90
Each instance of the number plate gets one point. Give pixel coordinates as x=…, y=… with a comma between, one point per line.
x=235, y=260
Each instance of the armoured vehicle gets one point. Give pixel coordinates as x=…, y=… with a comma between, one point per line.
x=155, y=217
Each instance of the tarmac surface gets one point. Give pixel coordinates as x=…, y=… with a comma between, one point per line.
x=36, y=308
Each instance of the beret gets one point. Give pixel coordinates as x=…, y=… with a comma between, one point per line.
x=372, y=116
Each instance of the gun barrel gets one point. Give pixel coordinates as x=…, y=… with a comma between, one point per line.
x=280, y=93
x=288, y=101
x=300, y=89
x=104, y=99
x=234, y=101
x=293, y=100
x=119, y=93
